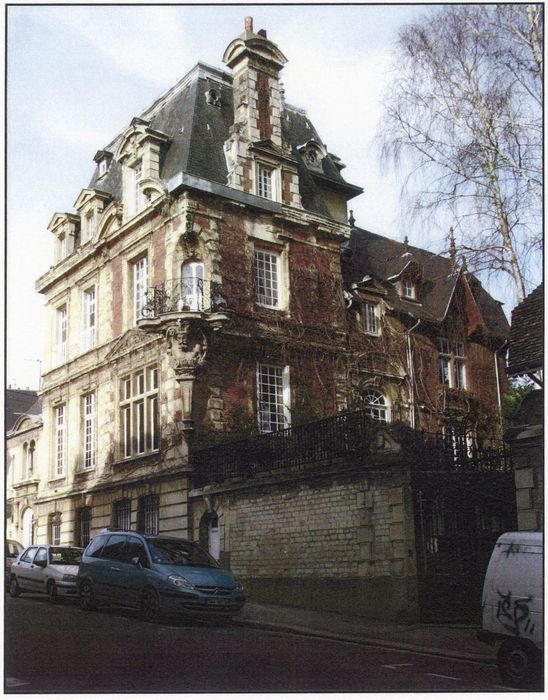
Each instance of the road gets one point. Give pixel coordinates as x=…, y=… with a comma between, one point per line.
x=59, y=648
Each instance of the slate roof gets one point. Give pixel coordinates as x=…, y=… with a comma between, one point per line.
x=526, y=351
x=197, y=132
x=369, y=255
x=19, y=402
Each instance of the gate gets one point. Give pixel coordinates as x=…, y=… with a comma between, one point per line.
x=460, y=510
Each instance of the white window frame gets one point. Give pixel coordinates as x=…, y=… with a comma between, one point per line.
x=89, y=319
x=139, y=413
x=89, y=408
x=371, y=318
x=377, y=405
x=55, y=529
x=60, y=439
x=103, y=167
x=408, y=289
x=139, y=282
x=268, y=283
x=192, y=286
x=273, y=382
x=461, y=378
x=61, y=335
x=266, y=181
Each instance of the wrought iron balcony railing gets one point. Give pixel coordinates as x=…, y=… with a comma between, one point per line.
x=351, y=435
x=183, y=294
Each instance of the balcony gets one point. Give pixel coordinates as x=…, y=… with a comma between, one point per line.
x=177, y=296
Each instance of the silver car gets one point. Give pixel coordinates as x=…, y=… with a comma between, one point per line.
x=48, y=569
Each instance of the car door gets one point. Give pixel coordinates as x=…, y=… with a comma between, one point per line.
x=113, y=574
x=136, y=574
x=38, y=571
x=24, y=568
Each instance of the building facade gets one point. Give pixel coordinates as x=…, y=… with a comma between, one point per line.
x=210, y=286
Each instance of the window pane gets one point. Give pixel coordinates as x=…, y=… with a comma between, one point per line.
x=115, y=548
x=270, y=398
x=266, y=271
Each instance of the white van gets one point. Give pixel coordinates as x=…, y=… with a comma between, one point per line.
x=512, y=607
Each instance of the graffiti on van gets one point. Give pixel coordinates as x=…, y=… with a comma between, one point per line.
x=514, y=615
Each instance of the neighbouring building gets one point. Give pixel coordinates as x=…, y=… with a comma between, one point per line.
x=211, y=287
x=526, y=435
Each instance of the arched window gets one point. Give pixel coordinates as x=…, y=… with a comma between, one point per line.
x=25, y=460
x=55, y=528
x=376, y=405
x=28, y=527
x=30, y=457
x=192, y=287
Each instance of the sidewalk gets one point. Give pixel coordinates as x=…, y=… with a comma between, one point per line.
x=457, y=641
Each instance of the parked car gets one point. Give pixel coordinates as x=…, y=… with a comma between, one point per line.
x=13, y=550
x=513, y=607
x=48, y=569
x=158, y=575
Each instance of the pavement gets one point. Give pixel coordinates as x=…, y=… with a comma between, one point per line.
x=447, y=640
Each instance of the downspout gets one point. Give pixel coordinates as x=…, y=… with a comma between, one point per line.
x=499, y=396
x=411, y=372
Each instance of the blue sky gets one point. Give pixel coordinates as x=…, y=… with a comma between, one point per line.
x=77, y=75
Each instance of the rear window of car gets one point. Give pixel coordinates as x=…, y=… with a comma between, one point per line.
x=95, y=546
x=64, y=555
x=13, y=549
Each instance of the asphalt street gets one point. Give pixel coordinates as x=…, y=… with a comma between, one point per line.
x=59, y=648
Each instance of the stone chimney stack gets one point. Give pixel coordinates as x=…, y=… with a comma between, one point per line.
x=256, y=63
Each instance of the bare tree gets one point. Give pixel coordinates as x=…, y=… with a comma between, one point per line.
x=465, y=112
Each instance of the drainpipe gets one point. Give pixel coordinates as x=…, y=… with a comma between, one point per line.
x=499, y=397
x=411, y=370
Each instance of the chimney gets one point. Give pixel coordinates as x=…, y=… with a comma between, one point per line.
x=262, y=32
x=249, y=24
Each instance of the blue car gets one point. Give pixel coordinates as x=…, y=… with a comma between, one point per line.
x=157, y=575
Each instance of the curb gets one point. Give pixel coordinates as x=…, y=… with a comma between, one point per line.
x=368, y=641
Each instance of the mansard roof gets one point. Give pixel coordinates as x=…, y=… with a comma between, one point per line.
x=20, y=402
x=526, y=351
x=375, y=257
x=198, y=129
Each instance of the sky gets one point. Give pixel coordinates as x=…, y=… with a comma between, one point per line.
x=77, y=75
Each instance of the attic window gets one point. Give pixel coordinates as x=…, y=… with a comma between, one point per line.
x=408, y=289
x=213, y=98
x=103, y=167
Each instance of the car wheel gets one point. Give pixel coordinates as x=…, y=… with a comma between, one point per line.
x=52, y=591
x=14, y=587
x=519, y=664
x=87, y=599
x=150, y=606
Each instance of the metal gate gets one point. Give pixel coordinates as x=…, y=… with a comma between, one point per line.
x=458, y=518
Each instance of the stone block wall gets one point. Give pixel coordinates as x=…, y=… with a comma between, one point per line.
x=343, y=541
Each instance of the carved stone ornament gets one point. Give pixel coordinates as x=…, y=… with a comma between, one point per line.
x=187, y=347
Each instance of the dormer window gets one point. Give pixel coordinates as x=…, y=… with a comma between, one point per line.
x=266, y=185
x=213, y=98
x=103, y=167
x=408, y=289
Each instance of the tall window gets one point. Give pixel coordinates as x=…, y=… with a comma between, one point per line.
x=460, y=366
x=148, y=514
x=371, y=318
x=88, y=319
x=62, y=247
x=83, y=526
x=28, y=459
x=444, y=362
x=273, y=397
x=90, y=431
x=139, y=416
x=265, y=181
x=61, y=335
x=139, y=271
x=55, y=528
x=192, y=287
x=376, y=405
x=267, y=271
x=121, y=514
x=134, y=198
x=60, y=440
x=408, y=289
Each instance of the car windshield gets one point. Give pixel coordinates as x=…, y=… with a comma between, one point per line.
x=180, y=553
x=64, y=555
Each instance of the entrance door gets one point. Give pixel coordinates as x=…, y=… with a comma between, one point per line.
x=214, y=538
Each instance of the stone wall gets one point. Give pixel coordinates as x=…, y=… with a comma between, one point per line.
x=337, y=540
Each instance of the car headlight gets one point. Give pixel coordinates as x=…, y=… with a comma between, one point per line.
x=239, y=587
x=180, y=582
x=69, y=577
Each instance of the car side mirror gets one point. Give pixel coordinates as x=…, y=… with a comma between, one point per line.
x=136, y=561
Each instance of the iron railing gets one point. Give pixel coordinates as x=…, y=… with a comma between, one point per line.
x=348, y=435
x=183, y=294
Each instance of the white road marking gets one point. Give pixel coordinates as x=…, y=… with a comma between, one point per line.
x=395, y=665
x=438, y=675
x=15, y=682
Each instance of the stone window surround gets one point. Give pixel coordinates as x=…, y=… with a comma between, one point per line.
x=139, y=419
x=275, y=170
